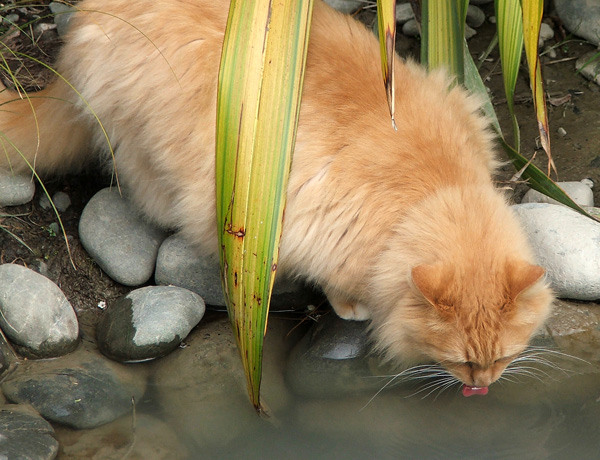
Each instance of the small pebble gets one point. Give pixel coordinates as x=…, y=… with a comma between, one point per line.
x=411, y=28
x=62, y=201
x=62, y=16
x=35, y=314
x=561, y=132
x=469, y=32
x=15, y=189
x=475, y=16
x=546, y=32
x=10, y=19
x=148, y=323
x=345, y=6
x=120, y=241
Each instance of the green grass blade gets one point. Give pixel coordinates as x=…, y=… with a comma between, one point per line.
x=532, y=18
x=260, y=84
x=386, y=20
x=442, y=32
x=510, y=42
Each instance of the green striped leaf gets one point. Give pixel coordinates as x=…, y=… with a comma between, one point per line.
x=442, y=35
x=510, y=42
x=260, y=83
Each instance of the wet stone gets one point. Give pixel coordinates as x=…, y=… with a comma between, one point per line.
x=35, y=314
x=580, y=192
x=180, y=264
x=119, y=240
x=148, y=323
x=333, y=359
x=567, y=245
x=15, y=189
x=25, y=435
x=81, y=390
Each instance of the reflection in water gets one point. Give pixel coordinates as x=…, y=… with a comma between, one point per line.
x=556, y=418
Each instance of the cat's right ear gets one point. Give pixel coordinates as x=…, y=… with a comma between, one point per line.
x=431, y=280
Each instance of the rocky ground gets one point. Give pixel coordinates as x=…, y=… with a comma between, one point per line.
x=31, y=236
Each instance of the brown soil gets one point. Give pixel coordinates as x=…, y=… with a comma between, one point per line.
x=577, y=156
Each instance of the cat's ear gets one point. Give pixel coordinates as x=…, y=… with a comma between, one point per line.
x=521, y=276
x=431, y=281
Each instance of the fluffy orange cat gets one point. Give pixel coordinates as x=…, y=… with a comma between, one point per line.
x=405, y=228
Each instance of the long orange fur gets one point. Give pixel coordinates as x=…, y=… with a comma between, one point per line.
x=405, y=228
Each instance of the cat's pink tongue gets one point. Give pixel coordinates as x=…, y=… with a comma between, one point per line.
x=468, y=390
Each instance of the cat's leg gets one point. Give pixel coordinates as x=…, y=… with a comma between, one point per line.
x=347, y=309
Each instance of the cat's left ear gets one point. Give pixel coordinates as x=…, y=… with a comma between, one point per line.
x=521, y=276
x=431, y=281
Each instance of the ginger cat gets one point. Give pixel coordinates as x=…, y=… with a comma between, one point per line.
x=405, y=228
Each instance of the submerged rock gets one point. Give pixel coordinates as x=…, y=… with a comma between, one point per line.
x=148, y=323
x=25, y=435
x=120, y=241
x=567, y=245
x=333, y=359
x=580, y=192
x=35, y=314
x=15, y=189
x=81, y=390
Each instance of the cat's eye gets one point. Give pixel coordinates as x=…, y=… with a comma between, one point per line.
x=470, y=364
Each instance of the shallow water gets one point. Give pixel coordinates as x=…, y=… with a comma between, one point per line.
x=555, y=418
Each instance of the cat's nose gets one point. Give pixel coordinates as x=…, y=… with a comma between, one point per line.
x=483, y=377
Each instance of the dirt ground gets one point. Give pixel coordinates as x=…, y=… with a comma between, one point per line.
x=576, y=154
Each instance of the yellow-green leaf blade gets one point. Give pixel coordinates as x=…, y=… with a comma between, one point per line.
x=260, y=84
x=532, y=18
x=510, y=42
x=386, y=20
x=442, y=35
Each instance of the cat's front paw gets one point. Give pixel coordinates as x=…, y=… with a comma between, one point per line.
x=354, y=311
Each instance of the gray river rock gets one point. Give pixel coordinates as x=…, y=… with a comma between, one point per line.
x=579, y=191
x=567, y=245
x=120, y=241
x=148, y=323
x=35, y=314
x=15, y=189
x=180, y=264
x=581, y=17
x=24, y=435
x=81, y=390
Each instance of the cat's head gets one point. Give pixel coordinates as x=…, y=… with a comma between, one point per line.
x=472, y=322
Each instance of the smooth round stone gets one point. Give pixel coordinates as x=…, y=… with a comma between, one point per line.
x=15, y=189
x=475, y=16
x=120, y=241
x=61, y=201
x=565, y=243
x=404, y=13
x=148, y=323
x=333, y=359
x=35, y=314
x=581, y=17
x=62, y=15
x=580, y=192
x=180, y=264
x=411, y=28
x=345, y=6
x=81, y=390
x=589, y=66
x=546, y=32
x=25, y=435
